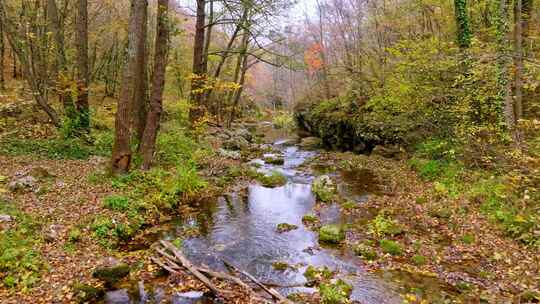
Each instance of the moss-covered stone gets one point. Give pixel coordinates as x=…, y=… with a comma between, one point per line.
x=274, y=179
x=111, y=274
x=314, y=274
x=274, y=160
x=335, y=293
x=331, y=234
x=310, y=220
x=284, y=227
x=324, y=188
x=280, y=266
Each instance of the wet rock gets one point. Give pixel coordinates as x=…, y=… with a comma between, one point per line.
x=389, y=151
x=23, y=183
x=120, y=296
x=284, y=227
x=4, y=218
x=228, y=153
x=111, y=271
x=236, y=143
x=52, y=233
x=324, y=188
x=331, y=234
x=310, y=142
x=191, y=297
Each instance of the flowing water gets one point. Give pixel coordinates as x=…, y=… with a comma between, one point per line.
x=243, y=232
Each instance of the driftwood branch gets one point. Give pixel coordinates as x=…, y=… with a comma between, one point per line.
x=171, y=259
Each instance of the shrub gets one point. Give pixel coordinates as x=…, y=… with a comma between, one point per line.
x=283, y=120
x=390, y=247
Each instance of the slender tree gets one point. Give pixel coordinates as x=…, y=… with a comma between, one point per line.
x=148, y=142
x=140, y=98
x=462, y=24
x=197, y=108
x=83, y=74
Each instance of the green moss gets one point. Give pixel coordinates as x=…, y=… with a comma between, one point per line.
x=390, y=247
x=274, y=179
x=419, y=259
x=467, y=239
x=86, y=293
x=331, y=234
x=310, y=219
x=284, y=227
x=324, y=188
x=281, y=266
x=314, y=274
x=337, y=293
x=74, y=235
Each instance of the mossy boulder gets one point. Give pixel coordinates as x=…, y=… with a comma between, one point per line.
x=280, y=266
x=274, y=160
x=310, y=220
x=111, y=274
x=324, y=188
x=274, y=179
x=331, y=234
x=337, y=292
x=311, y=143
x=316, y=274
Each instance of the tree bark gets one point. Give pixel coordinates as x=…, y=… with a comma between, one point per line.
x=141, y=87
x=2, y=56
x=82, y=105
x=148, y=142
x=197, y=109
x=208, y=37
x=121, y=154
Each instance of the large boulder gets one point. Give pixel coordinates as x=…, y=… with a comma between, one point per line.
x=311, y=142
x=388, y=151
x=228, y=153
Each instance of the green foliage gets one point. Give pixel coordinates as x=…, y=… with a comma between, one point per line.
x=74, y=235
x=283, y=120
x=391, y=247
x=116, y=202
x=419, y=259
x=336, y=293
x=20, y=261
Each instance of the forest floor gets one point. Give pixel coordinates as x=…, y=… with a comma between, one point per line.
x=56, y=229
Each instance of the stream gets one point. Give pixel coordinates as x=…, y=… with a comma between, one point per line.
x=242, y=230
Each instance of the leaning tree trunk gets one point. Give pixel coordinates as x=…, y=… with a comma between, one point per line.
x=148, y=143
x=121, y=153
x=82, y=66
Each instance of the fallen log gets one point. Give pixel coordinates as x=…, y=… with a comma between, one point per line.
x=272, y=292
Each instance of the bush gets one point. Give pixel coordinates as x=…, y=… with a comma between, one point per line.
x=391, y=247
x=116, y=202
x=284, y=120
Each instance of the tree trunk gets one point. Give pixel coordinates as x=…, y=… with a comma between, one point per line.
x=462, y=24
x=140, y=99
x=148, y=142
x=208, y=37
x=2, y=56
x=121, y=154
x=82, y=66
x=197, y=109
x=504, y=95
